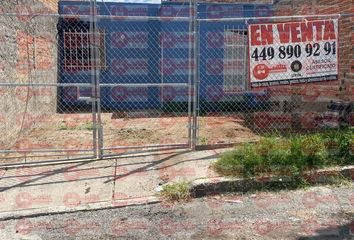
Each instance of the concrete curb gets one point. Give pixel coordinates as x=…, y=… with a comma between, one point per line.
x=205, y=187
x=199, y=188
x=54, y=210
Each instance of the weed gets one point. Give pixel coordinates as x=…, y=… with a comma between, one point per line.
x=203, y=141
x=87, y=126
x=179, y=191
x=339, y=180
x=64, y=127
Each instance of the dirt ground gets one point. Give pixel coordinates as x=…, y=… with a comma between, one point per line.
x=74, y=132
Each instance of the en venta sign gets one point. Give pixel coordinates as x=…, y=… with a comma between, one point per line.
x=293, y=52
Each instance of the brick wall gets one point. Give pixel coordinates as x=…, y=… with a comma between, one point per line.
x=51, y=4
x=346, y=34
x=309, y=102
x=28, y=53
x=304, y=103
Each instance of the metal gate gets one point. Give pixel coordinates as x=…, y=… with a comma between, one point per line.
x=82, y=85
x=145, y=86
x=104, y=79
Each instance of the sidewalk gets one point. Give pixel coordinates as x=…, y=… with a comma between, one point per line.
x=92, y=185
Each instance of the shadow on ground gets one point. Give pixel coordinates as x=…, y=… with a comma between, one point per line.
x=343, y=232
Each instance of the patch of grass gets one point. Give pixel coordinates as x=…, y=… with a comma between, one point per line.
x=85, y=126
x=340, y=146
x=289, y=156
x=179, y=191
x=64, y=127
x=203, y=141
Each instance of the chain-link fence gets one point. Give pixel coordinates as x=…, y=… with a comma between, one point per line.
x=86, y=83
x=37, y=123
x=145, y=98
x=273, y=76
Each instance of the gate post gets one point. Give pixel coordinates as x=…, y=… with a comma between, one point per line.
x=95, y=75
x=190, y=72
x=195, y=75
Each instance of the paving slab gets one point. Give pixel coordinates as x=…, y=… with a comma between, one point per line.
x=142, y=179
x=115, y=182
x=69, y=185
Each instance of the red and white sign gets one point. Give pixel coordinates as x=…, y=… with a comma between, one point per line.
x=293, y=52
x=130, y=40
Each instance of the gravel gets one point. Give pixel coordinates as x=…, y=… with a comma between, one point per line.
x=324, y=212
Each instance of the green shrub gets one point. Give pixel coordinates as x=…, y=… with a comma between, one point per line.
x=315, y=151
x=340, y=146
x=279, y=158
x=265, y=145
x=290, y=156
x=230, y=163
x=345, y=148
x=251, y=160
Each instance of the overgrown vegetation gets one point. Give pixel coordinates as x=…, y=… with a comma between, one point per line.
x=289, y=156
x=179, y=191
x=84, y=126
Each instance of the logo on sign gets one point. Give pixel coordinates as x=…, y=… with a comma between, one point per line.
x=215, y=66
x=137, y=94
x=174, y=11
x=172, y=66
x=215, y=40
x=130, y=39
x=119, y=10
x=128, y=66
x=79, y=10
x=174, y=39
x=217, y=11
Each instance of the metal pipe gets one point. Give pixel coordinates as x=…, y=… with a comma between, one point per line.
x=44, y=150
x=132, y=18
x=7, y=158
x=79, y=160
x=42, y=15
x=97, y=84
x=190, y=87
x=47, y=163
x=133, y=153
x=144, y=84
x=272, y=17
x=146, y=146
x=140, y=18
x=195, y=75
x=92, y=32
x=45, y=84
x=167, y=18
x=162, y=74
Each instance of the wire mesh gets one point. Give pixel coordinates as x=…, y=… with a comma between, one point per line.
x=293, y=80
x=145, y=89
x=83, y=82
x=38, y=118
